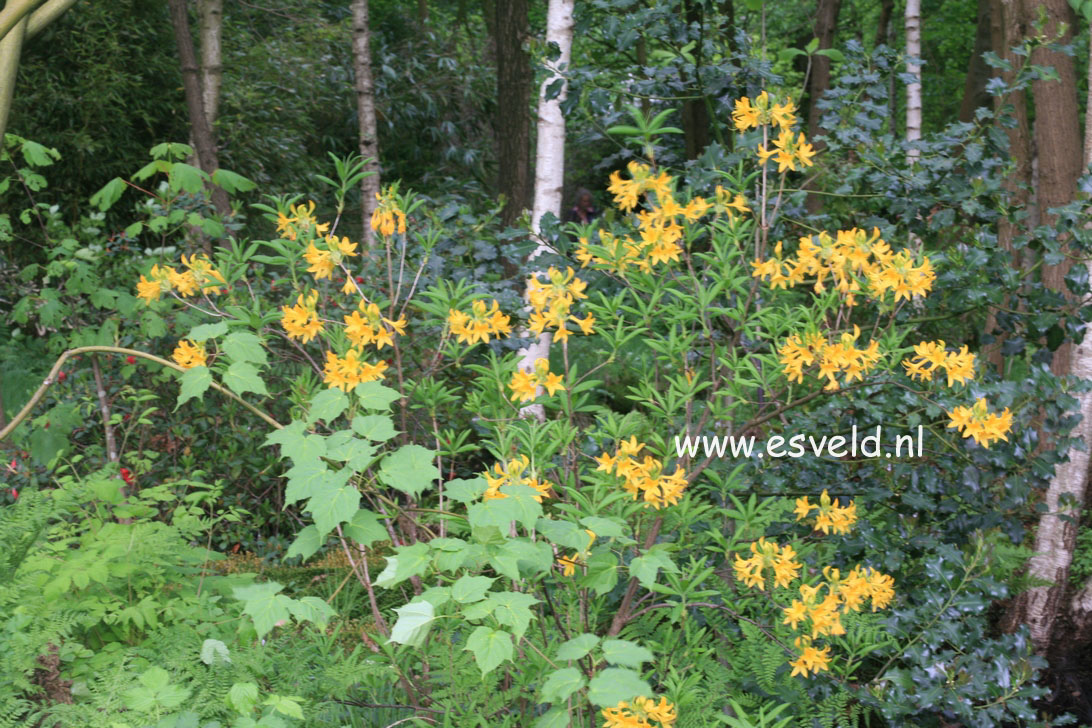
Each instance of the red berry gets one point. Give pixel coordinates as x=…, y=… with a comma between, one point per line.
x=130, y=359
x=61, y=376
x=360, y=279
x=127, y=476
x=15, y=494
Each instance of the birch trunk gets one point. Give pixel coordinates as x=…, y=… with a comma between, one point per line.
x=913, y=89
x=365, y=110
x=549, y=160
x=211, y=13
x=11, y=46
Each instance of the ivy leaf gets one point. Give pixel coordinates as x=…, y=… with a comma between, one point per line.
x=560, y=684
x=615, y=684
x=413, y=623
x=577, y=647
x=243, y=377
x=377, y=428
x=469, y=589
x=327, y=405
x=375, y=396
x=195, y=381
x=244, y=346
x=409, y=469
x=491, y=647
x=626, y=653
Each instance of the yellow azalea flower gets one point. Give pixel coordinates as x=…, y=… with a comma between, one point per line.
x=641, y=713
x=981, y=424
x=523, y=386
x=568, y=565
x=189, y=354
x=812, y=659
x=481, y=323
x=301, y=321
x=319, y=262
x=160, y=283
x=348, y=371
x=388, y=217
x=516, y=471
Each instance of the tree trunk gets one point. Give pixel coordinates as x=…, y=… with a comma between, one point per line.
x=913, y=89
x=826, y=23
x=45, y=14
x=1057, y=135
x=211, y=13
x=204, y=141
x=883, y=27
x=14, y=12
x=978, y=71
x=365, y=111
x=549, y=162
x=513, y=121
x=695, y=110
x=11, y=46
x=1007, y=30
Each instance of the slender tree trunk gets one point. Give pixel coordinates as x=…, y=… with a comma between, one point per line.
x=513, y=120
x=695, y=110
x=14, y=12
x=1057, y=135
x=422, y=13
x=826, y=23
x=365, y=110
x=11, y=47
x=45, y=14
x=883, y=27
x=204, y=141
x=549, y=161
x=211, y=13
x=978, y=71
x=913, y=89
x=1006, y=31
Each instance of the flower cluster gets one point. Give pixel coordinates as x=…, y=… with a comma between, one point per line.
x=569, y=563
x=300, y=223
x=853, y=261
x=641, y=713
x=841, y=358
x=978, y=422
x=788, y=151
x=514, y=472
x=481, y=323
x=929, y=356
x=524, y=385
x=189, y=354
x=388, y=217
x=301, y=321
x=199, y=275
x=767, y=555
x=367, y=326
x=627, y=192
x=345, y=372
x=829, y=516
x=820, y=615
x=322, y=261
x=644, y=478
x=552, y=302
x=763, y=112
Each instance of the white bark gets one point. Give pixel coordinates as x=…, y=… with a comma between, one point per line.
x=365, y=109
x=11, y=47
x=549, y=161
x=913, y=89
x=211, y=13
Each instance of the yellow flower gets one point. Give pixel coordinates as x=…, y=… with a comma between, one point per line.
x=981, y=424
x=388, y=217
x=812, y=659
x=480, y=324
x=523, y=386
x=348, y=371
x=301, y=321
x=160, y=283
x=189, y=354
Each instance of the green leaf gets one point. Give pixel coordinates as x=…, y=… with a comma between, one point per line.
x=413, y=623
x=615, y=684
x=214, y=651
x=231, y=182
x=296, y=444
x=517, y=558
x=465, y=491
x=375, y=396
x=377, y=428
x=602, y=572
x=365, y=528
x=409, y=469
x=832, y=53
x=577, y=647
x=308, y=541
x=565, y=534
x=518, y=505
x=264, y=605
x=311, y=609
x=554, y=718
x=195, y=381
x=408, y=561
x=603, y=527
x=38, y=155
x=646, y=566
x=330, y=509
x=204, y=332
x=110, y=193
x=244, y=346
x=491, y=647
x=560, y=684
x=185, y=177
x=469, y=589
x=626, y=653
x=514, y=610
x=242, y=697
x=327, y=405
x=243, y=377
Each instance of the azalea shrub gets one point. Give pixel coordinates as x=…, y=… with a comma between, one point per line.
x=567, y=540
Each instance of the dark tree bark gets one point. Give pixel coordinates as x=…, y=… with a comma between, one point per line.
x=695, y=110
x=978, y=71
x=826, y=23
x=204, y=141
x=511, y=28
x=883, y=27
x=1057, y=134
